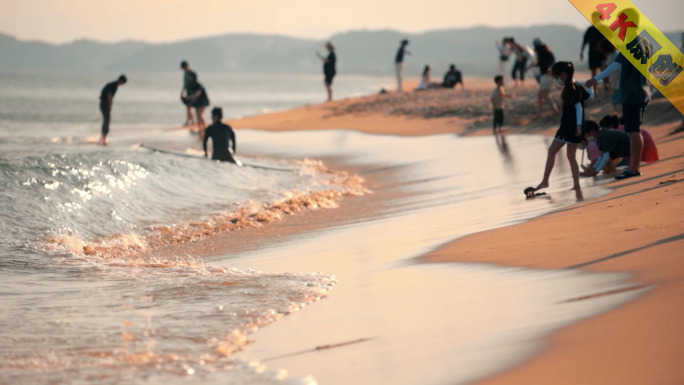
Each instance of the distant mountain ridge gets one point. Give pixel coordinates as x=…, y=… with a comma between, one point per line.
x=358, y=52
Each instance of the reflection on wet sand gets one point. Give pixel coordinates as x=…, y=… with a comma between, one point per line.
x=427, y=323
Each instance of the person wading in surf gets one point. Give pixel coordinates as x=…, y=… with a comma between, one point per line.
x=222, y=138
x=106, y=100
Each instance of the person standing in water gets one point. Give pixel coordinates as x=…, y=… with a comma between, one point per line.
x=497, y=98
x=198, y=99
x=399, y=63
x=106, y=100
x=329, y=68
x=222, y=138
x=187, y=73
x=572, y=117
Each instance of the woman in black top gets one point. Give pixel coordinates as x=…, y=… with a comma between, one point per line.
x=572, y=118
x=197, y=98
x=329, y=69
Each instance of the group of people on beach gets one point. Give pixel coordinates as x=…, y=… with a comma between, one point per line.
x=194, y=97
x=452, y=77
x=606, y=141
x=539, y=60
x=615, y=139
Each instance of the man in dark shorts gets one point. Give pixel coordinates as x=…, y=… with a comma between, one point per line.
x=222, y=138
x=634, y=95
x=106, y=100
x=593, y=38
x=329, y=69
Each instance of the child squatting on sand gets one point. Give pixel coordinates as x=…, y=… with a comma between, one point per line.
x=572, y=116
x=612, y=145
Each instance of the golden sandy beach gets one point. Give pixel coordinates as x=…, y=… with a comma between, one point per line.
x=637, y=228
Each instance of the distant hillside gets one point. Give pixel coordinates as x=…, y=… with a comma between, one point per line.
x=358, y=52
x=81, y=55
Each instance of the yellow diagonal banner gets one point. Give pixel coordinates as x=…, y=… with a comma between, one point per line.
x=660, y=61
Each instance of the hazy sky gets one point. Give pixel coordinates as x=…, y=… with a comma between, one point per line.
x=171, y=20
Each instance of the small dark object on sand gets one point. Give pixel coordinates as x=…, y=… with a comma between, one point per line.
x=531, y=193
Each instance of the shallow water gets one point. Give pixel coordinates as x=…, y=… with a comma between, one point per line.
x=409, y=323
x=93, y=291
x=86, y=295
x=64, y=101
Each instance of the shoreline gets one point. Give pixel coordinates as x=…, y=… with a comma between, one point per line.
x=627, y=232
x=637, y=228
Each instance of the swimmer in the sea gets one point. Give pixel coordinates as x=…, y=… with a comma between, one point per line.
x=222, y=138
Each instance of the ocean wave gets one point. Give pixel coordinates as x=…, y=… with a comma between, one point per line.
x=136, y=249
x=148, y=333
x=125, y=205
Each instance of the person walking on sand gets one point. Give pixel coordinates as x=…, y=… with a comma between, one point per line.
x=222, y=138
x=198, y=99
x=497, y=98
x=544, y=62
x=634, y=95
x=106, y=100
x=570, y=130
x=329, y=68
x=399, y=63
x=187, y=73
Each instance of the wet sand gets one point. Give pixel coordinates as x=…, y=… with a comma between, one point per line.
x=637, y=229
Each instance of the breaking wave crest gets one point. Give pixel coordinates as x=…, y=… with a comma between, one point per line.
x=135, y=249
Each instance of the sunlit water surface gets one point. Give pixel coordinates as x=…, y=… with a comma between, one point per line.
x=88, y=295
